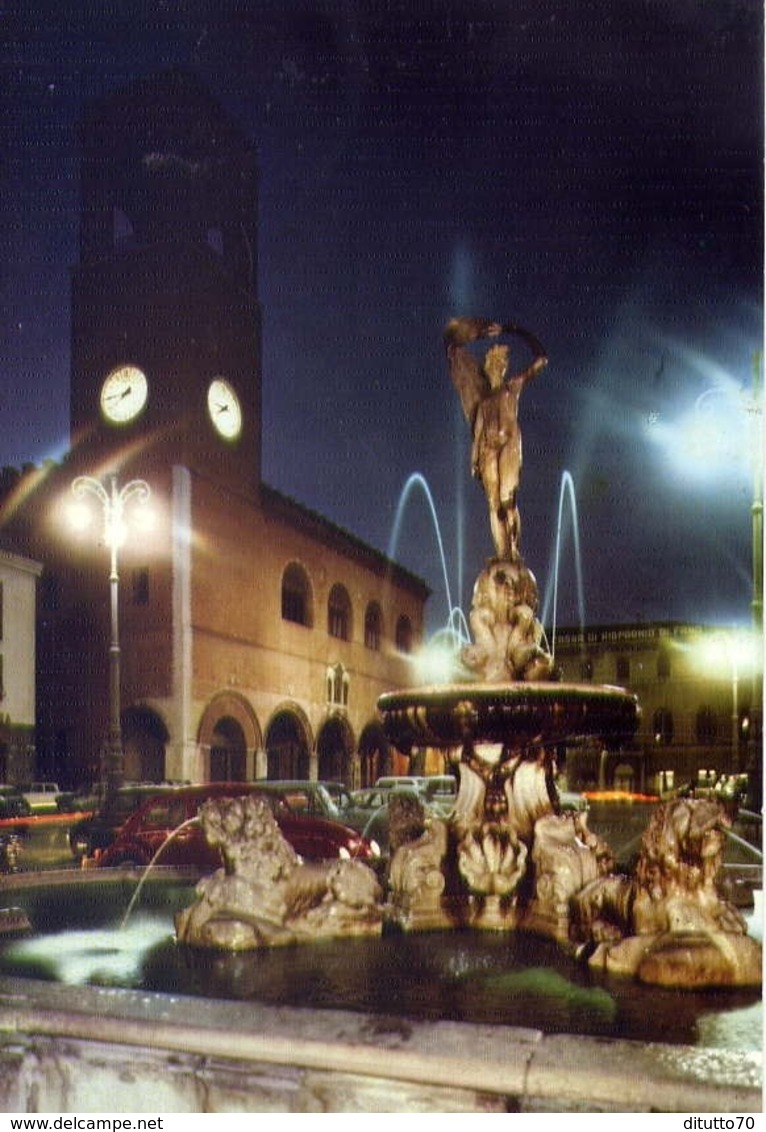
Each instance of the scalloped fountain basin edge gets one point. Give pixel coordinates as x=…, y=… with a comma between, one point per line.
x=519, y=713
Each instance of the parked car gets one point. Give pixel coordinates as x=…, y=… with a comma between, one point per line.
x=150, y=827
x=397, y=781
x=365, y=806
x=317, y=799
x=440, y=792
x=13, y=804
x=43, y=797
x=369, y=811
x=331, y=801
x=98, y=831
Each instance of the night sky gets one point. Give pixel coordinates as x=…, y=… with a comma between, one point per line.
x=590, y=169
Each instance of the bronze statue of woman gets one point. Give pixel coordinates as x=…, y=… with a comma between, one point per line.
x=490, y=401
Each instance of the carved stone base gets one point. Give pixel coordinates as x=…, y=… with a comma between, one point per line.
x=494, y=914
x=684, y=960
x=416, y=916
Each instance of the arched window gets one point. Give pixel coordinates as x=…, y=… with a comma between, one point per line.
x=622, y=669
x=373, y=626
x=662, y=725
x=404, y=634
x=296, y=596
x=586, y=669
x=337, y=686
x=663, y=665
x=339, y=613
x=706, y=725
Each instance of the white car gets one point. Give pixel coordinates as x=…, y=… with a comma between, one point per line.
x=43, y=797
x=400, y=781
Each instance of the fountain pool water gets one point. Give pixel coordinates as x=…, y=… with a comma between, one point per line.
x=513, y=979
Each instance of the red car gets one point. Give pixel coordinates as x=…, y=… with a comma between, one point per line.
x=150, y=827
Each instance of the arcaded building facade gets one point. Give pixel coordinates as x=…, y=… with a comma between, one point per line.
x=255, y=637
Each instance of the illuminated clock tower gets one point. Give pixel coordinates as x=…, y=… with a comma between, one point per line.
x=166, y=327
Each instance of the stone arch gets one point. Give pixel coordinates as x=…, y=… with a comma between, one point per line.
x=288, y=743
x=144, y=741
x=374, y=754
x=335, y=749
x=228, y=737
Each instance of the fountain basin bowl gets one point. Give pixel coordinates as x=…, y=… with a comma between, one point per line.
x=521, y=714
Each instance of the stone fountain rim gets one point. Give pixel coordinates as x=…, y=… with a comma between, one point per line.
x=444, y=715
x=509, y=690
x=478, y=1060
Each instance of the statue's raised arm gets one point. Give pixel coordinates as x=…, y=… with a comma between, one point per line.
x=539, y=356
x=467, y=375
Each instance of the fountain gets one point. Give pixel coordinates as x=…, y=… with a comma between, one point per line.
x=506, y=858
x=482, y=976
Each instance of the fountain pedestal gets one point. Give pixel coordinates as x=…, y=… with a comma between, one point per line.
x=508, y=858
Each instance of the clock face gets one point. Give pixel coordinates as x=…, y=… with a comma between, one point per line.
x=224, y=408
x=123, y=394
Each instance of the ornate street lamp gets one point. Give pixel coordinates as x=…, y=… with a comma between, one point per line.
x=113, y=501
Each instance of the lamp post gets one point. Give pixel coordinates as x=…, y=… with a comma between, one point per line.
x=734, y=710
x=113, y=501
x=739, y=648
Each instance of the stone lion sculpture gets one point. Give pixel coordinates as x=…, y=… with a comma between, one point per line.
x=265, y=896
x=668, y=924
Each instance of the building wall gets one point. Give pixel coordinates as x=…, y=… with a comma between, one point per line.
x=239, y=644
x=18, y=582
x=690, y=681
x=201, y=632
